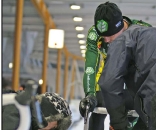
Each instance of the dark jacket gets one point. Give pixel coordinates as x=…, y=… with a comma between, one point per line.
x=10, y=117
x=131, y=59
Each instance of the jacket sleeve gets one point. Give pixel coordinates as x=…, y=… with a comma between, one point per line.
x=111, y=80
x=91, y=62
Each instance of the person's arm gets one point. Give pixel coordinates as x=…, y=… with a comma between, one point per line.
x=89, y=78
x=91, y=62
x=112, y=81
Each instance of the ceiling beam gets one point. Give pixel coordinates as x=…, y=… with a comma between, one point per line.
x=44, y=13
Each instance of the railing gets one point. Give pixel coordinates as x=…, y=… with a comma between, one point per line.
x=102, y=110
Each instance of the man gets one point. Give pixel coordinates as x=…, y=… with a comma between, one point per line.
x=96, y=53
x=56, y=114
x=131, y=59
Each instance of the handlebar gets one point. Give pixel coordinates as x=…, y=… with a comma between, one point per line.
x=86, y=114
x=86, y=117
x=102, y=110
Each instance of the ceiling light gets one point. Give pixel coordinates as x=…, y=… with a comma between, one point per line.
x=56, y=38
x=80, y=35
x=75, y=7
x=83, y=51
x=78, y=19
x=10, y=65
x=40, y=81
x=82, y=41
x=78, y=28
x=83, y=55
x=82, y=47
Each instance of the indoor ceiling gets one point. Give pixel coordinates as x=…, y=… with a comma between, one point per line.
x=63, y=17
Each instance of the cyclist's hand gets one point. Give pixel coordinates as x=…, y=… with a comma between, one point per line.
x=89, y=100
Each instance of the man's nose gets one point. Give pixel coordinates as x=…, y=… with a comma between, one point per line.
x=106, y=39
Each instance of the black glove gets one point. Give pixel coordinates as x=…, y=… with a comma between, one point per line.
x=89, y=100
